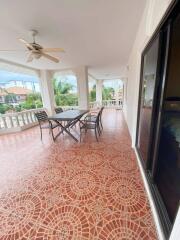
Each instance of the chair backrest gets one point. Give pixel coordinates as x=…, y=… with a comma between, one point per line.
x=98, y=116
x=58, y=110
x=41, y=116
x=101, y=110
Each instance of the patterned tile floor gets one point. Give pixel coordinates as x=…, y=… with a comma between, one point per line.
x=67, y=190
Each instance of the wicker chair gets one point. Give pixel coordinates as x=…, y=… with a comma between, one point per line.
x=45, y=123
x=58, y=110
x=91, y=122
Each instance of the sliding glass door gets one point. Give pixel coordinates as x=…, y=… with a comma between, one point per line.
x=167, y=173
x=158, y=125
x=147, y=93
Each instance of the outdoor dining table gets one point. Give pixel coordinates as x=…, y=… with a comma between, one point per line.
x=70, y=118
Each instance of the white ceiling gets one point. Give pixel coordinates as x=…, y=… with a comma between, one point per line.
x=96, y=33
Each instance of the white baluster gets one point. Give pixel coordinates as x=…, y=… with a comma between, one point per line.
x=31, y=118
x=17, y=121
x=27, y=117
x=10, y=122
x=4, y=122
x=23, y=119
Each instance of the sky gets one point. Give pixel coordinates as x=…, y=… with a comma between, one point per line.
x=7, y=76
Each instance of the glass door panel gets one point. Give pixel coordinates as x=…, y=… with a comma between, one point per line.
x=148, y=80
x=167, y=177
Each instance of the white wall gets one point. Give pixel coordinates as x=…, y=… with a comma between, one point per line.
x=152, y=16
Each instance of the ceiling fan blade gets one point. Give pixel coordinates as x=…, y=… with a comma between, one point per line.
x=12, y=50
x=26, y=43
x=50, y=57
x=53, y=50
x=30, y=57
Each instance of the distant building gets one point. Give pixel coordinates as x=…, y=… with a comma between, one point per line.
x=20, y=94
x=27, y=84
x=3, y=93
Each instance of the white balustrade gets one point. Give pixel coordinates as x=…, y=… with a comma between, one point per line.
x=116, y=104
x=12, y=122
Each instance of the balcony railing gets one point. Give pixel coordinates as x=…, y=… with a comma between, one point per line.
x=13, y=122
x=18, y=121
x=108, y=104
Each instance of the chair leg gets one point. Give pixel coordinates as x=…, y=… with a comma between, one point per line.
x=52, y=133
x=101, y=123
x=99, y=130
x=96, y=134
x=51, y=130
x=41, y=133
x=80, y=134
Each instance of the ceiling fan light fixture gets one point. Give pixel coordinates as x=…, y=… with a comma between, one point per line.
x=36, y=55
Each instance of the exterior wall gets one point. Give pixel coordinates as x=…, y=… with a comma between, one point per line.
x=152, y=16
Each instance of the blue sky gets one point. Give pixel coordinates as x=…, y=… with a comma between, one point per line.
x=7, y=76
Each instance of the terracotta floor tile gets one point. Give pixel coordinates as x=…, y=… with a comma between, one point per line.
x=67, y=190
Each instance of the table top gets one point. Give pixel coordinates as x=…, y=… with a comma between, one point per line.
x=68, y=115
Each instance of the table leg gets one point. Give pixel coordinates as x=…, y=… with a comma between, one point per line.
x=64, y=128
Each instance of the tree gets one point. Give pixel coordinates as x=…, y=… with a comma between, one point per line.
x=63, y=93
x=92, y=94
x=4, y=108
x=33, y=100
x=107, y=93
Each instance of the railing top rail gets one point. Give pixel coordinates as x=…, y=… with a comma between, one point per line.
x=19, y=113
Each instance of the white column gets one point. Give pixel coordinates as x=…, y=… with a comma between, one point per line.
x=125, y=84
x=99, y=85
x=116, y=93
x=47, y=91
x=82, y=82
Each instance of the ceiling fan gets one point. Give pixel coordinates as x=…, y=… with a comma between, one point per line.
x=36, y=51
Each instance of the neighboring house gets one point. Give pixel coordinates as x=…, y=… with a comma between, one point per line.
x=3, y=93
x=19, y=92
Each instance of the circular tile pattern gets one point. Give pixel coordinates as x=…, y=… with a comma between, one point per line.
x=92, y=159
x=48, y=178
x=123, y=163
x=96, y=146
x=121, y=147
x=66, y=223
x=67, y=155
x=119, y=229
x=82, y=186
x=19, y=212
x=126, y=195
